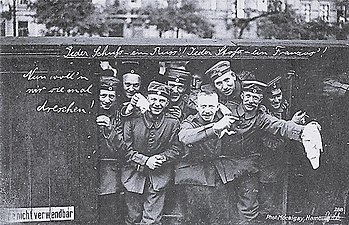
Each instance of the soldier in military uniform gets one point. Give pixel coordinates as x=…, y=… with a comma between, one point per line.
x=131, y=83
x=196, y=173
x=180, y=105
x=273, y=155
x=273, y=151
x=110, y=147
x=241, y=151
x=151, y=145
x=225, y=81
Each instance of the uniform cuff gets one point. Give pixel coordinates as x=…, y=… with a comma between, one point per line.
x=140, y=159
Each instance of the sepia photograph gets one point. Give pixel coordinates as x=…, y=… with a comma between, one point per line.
x=174, y=112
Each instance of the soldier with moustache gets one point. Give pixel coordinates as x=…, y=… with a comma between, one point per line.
x=239, y=165
x=181, y=105
x=151, y=146
x=110, y=150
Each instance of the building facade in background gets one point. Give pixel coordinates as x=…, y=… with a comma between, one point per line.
x=17, y=19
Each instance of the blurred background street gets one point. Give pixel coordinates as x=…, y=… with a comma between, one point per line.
x=218, y=19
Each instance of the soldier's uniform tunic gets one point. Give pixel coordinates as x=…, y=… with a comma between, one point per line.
x=109, y=159
x=273, y=161
x=197, y=174
x=144, y=137
x=240, y=154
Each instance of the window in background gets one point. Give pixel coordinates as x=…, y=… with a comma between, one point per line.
x=3, y=28
x=325, y=12
x=23, y=30
x=307, y=12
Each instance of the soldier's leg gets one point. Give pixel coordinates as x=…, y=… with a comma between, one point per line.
x=153, y=206
x=197, y=206
x=110, y=209
x=270, y=190
x=247, y=192
x=219, y=205
x=134, y=203
x=266, y=197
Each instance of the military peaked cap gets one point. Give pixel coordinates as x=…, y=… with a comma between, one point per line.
x=219, y=69
x=130, y=67
x=254, y=86
x=108, y=82
x=178, y=75
x=274, y=84
x=158, y=88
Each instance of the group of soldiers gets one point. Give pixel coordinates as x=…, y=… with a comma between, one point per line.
x=196, y=131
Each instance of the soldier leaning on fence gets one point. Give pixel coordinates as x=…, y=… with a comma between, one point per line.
x=273, y=151
x=151, y=146
x=240, y=151
x=178, y=80
x=110, y=148
x=196, y=173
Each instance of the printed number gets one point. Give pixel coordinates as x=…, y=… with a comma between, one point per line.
x=338, y=209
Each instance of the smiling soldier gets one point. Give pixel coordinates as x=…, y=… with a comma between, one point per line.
x=241, y=150
x=196, y=173
x=225, y=81
x=152, y=144
x=178, y=81
x=110, y=148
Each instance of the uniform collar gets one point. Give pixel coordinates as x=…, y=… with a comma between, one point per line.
x=112, y=112
x=247, y=115
x=152, y=122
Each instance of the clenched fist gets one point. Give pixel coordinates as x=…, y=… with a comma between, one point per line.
x=224, y=123
x=103, y=120
x=155, y=161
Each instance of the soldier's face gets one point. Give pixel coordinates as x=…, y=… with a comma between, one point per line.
x=225, y=84
x=177, y=90
x=131, y=84
x=250, y=100
x=275, y=99
x=207, y=106
x=106, y=99
x=157, y=103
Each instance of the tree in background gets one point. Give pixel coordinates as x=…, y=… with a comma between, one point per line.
x=102, y=21
x=69, y=18
x=274, y=7
x=186, y=17
x=287, y=24
x=283, y=22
